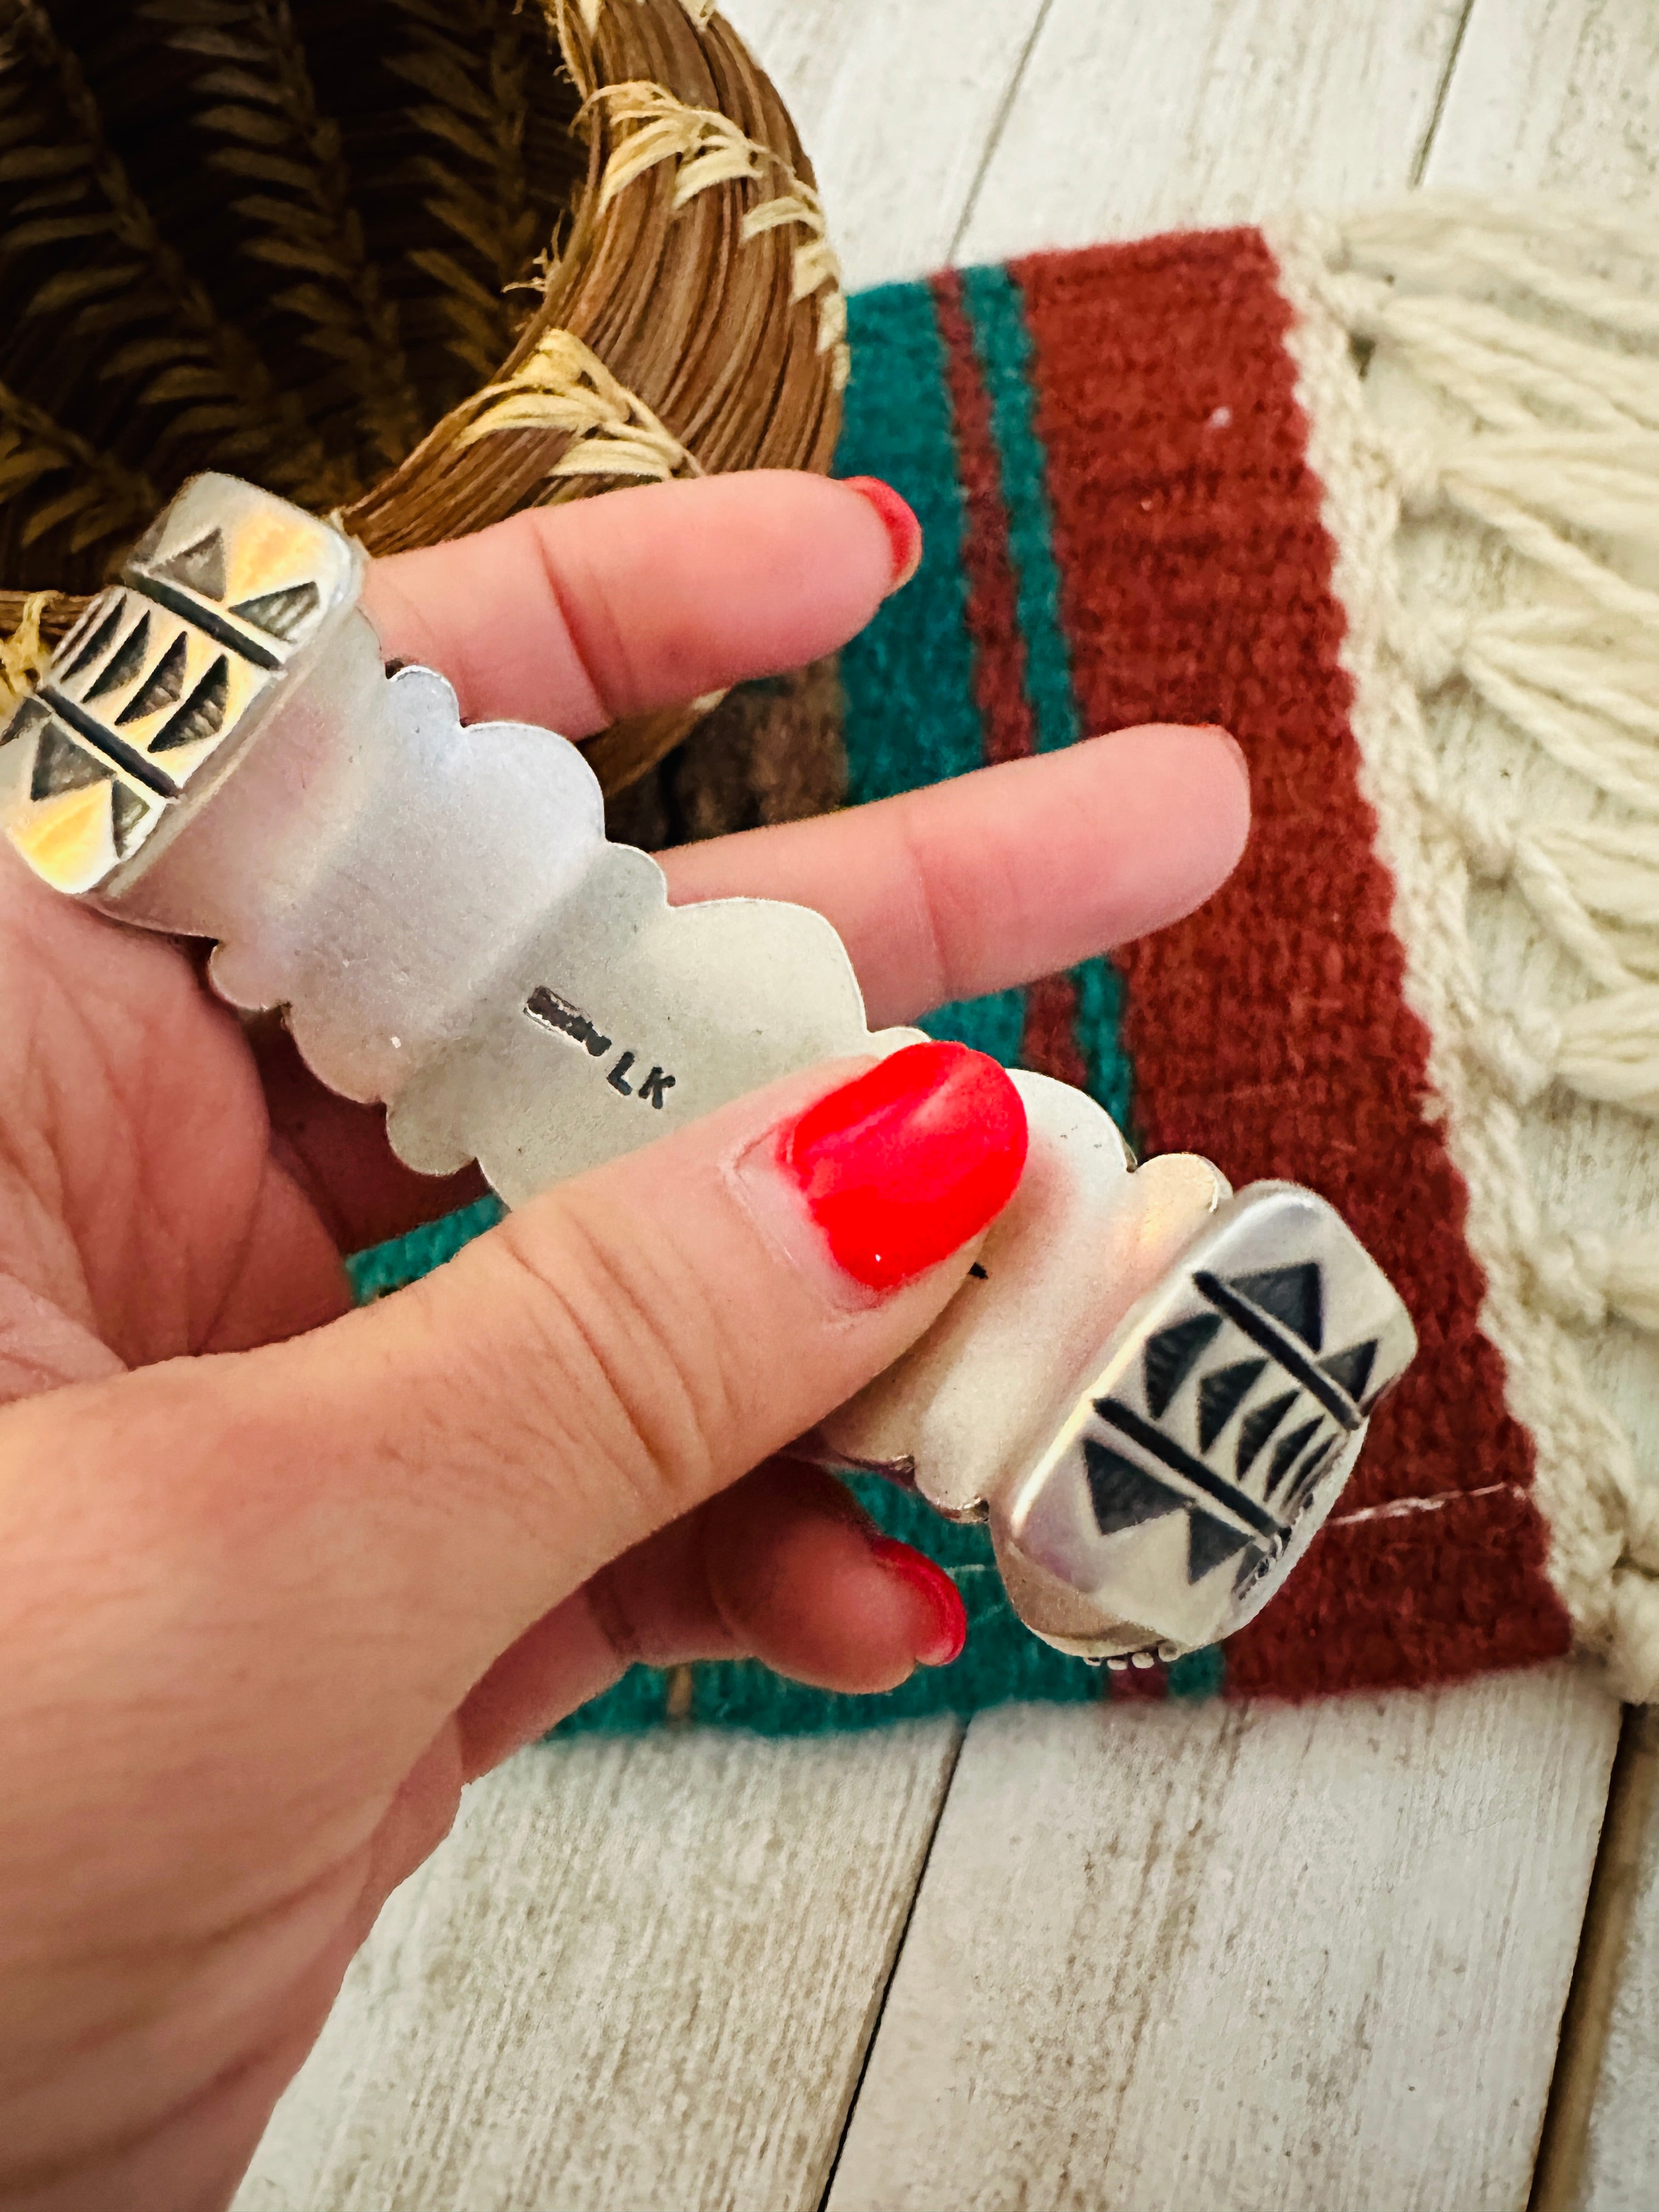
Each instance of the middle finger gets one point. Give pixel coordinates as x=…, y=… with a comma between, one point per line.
x=1004, y=875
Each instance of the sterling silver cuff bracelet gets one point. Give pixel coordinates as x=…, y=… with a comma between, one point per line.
x=1154, y=1388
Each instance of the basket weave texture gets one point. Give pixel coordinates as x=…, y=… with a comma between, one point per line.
x=420, y=263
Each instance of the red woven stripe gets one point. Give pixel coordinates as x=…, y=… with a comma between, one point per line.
x=1425, y=1598
x=1139, y=1685
x=993, y=604
x=1269, y=1031
x=1048, y=1044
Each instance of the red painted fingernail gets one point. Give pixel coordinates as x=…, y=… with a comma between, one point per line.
x=948, y=1617
x=900, y=1167
x=898, y=519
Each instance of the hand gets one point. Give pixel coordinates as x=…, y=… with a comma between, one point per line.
x=276, y=1578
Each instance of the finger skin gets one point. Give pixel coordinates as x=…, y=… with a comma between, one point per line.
x=568, y=615
x=572, y=616
x=250, y=1592
x=1003, y=875
x=254, y=1604
x=385, y=1505
x=780, y=1567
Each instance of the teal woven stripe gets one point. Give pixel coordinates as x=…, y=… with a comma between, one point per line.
x=1200, y=1674
x=909, y=680
x=406, y=1259
x=997, y=314
x=1099, y=1031
x=993, y=1024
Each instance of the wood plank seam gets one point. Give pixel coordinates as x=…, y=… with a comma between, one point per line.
x=1099, y=2003
x=999, y=125
x=1420, y=160
x=878, y=2006
x=1633, y=1798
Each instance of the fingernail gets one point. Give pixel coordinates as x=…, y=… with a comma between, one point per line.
x=899, y=521
x=947, y=1617
x=900, y=1167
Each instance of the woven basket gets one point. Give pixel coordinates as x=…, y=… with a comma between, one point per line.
x=424, y=262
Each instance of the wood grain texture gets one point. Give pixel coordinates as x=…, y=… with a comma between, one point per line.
x=1232, y=1958
x=1131, y=118
x=895, y=104
x=1614, y=2169
x=1600, y=2146
x=1554, y=94
x=641, y=1974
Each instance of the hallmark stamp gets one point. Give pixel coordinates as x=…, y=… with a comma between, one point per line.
x=558, y=1015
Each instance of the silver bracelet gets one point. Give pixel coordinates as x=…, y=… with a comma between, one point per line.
x=1154, y=1389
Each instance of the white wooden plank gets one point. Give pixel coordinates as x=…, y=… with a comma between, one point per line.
x=1600, y=2147
x=639, y=1974
x=895, y=105
x=1620, y=2157
x=1131, y=118
x=1230, y=1958
x=1554, y=94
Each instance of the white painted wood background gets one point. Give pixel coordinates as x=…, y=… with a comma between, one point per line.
x=1159, y=1961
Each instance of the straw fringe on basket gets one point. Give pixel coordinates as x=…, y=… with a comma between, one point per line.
x=1505, y=436
x=24, y=655
x=697, y=197
x=565, y=387
x=707, y=148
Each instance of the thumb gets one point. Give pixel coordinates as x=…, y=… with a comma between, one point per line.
x=421, y=1480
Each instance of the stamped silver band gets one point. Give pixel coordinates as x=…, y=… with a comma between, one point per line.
x=1153, y=1389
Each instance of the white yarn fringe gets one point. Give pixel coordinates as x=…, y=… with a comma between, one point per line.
x=1520, y=347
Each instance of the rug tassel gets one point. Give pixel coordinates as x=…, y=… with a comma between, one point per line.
x=1586, y=1278
x=1591, y=703
x=1606, y=1049
x=1568, y=876
x=1562, y=469
x=1521, y=346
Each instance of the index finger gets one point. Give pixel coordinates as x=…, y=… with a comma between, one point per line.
x=573, y=617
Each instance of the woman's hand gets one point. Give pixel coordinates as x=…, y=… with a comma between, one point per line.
x=277, y=1577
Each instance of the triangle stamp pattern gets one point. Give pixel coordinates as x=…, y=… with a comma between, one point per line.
x=1231, y=1410
x=199, y=567
x=1170, y=1356
x=1295, y=1295
x=1125, y=1496
x=1220, y=1395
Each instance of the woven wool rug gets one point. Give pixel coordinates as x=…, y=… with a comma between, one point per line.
x=1381, y=497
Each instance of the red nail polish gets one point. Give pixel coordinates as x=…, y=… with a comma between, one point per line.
x=900, y=1167
x=900, y=522
x=948, y=1630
